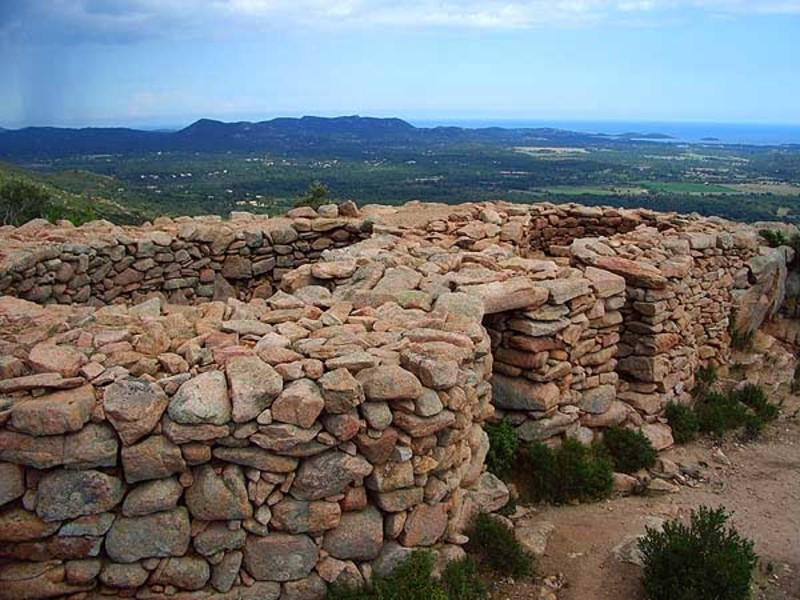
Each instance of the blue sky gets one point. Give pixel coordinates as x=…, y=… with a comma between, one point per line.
x=168, y=62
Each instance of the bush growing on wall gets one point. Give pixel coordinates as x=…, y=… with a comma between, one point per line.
x=702, y=561
x=503, y=445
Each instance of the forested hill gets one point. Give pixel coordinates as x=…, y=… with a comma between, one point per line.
x=306, y=136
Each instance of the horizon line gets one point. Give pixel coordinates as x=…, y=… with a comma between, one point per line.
x=424, y=121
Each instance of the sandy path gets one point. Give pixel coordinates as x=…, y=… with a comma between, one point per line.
x=761, y=488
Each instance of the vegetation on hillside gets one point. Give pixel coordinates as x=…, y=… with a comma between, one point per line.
x=76, y=196
x=216, y=168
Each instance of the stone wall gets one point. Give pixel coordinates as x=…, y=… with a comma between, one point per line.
x=684, y=284
x=248, y=450
x=262, y=445
x=555, y=365
x=186, y=260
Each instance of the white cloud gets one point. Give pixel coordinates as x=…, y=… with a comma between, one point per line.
x=488, y=13
x=124, y=20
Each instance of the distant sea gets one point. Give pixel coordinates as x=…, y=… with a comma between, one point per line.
x=722, y=133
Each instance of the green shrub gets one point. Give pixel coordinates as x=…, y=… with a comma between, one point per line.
x=753, y=426
x=509, y=509
x=683, y=421
x=629, y=449
x=774, y=237
x=574, y=471
x=503, y=445
x=717, y=413
x=739, y=340
x=461, y=581
x=706, y=375
x=495, y=546
x=755, y=398
x=21, y=201
x=796, y=379
x=77, y=212
x=747, y=407
x=316, y=196
x=703, y=561
x=412, y=580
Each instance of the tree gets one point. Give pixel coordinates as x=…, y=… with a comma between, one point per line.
x=316, y=196
x=21, y=201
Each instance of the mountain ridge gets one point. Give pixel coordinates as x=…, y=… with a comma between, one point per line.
x=282, y=134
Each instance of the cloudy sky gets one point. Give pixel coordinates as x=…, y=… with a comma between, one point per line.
x=168, y=62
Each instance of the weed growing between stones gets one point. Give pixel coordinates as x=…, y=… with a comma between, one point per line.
x=796, y=379
x=574, y=471
x=630, y=450
x=683, y=421
x=739, y=340
x=774, y=237
x=706, y=376
x=510, y=508
x=495, y=546
x=700, y=561
x=503, y=446
x=414, y=580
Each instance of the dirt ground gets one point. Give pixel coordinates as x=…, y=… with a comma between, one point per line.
x=760, y=486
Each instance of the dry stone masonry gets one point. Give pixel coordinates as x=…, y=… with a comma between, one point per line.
x=173, y=425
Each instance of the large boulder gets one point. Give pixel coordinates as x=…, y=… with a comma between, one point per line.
x=299, y=516
x=767, y=274
x=218, y=496
x=518, y=393
x=299, y=404
x=152, y=496
x=134, y=407
x=425, y=525
x=390, y=382
x=203, y=399
x=153, y=458
x=50, y=358
x=359, y=536
x=280, y=556
x=328, y=474
x=60, y=412
x=12, y=482
x=254, y=385
x=516, y=293
x=66, y=494
x=341, y=391
x=158, y=535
